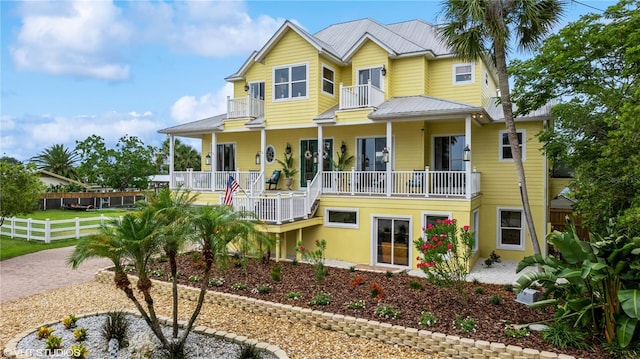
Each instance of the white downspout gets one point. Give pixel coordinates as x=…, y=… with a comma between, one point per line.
x=263, y=165
x=467, y=164
x=320, y=153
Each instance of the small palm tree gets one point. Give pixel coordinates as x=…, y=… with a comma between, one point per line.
x=478, y=29
x=59, y=160
x=184, y=156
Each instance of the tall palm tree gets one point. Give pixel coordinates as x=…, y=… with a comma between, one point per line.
x=184, y=156
x=59, y=160
x=478, y=29
x=172, y=210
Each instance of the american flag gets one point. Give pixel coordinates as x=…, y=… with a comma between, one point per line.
x=232, y=186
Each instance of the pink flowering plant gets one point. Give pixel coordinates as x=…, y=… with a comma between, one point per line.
x=316, y=257
x=445, y=252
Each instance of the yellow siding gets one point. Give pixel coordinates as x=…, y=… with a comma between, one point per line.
x=407, y=76
x=556, y=185
x=326, y=101
x=247, y=144
x=346, y=76
x=292, y=49
x=370, y=55
x=441, y=82
x=354, y=116
x=488, y=90
x=235, y=125
x=408, y=138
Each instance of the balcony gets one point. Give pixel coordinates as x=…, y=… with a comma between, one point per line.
x=360, y=96
x=244, y=107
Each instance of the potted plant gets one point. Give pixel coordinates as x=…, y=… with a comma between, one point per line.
x=342, y=164
x=288, y=169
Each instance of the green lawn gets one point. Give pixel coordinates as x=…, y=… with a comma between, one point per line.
x=13, y=247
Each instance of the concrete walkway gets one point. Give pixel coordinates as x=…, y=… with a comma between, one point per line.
x=42, y=271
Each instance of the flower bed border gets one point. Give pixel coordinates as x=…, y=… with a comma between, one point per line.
x=11, y=350
x=430, y=342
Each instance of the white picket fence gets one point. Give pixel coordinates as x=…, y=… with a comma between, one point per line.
x=48, y=230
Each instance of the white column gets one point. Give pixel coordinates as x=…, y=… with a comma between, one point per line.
x=171, y=161
x=388, y=181
x=467, y=164
x=214, y=163
x=320, y=151
x=263, y=151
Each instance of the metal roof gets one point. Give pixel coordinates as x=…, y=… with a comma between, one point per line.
x=329, y=116
x=420, y=106
x=494, y=110
x=209, y=124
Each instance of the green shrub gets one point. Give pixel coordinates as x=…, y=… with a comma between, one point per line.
x=563, y=336
x=69, y=322
x=321, y=299
x=496, y=299
x=294, y=295
x=516, y=332
x=116, y=326
x=44, y=332
x=427, y=319
x=53, y=342
x=78, y=352
x=475, y=281
x=388, y=274
x=358, y=304
x=80, y=334
x=276, y=272
x=479, y=290
x=239, y=286
x=195, y=279
x=415, y=285
x=387, y=312
x=468, y=324
x=352, y=269
x=264, y=288
x=216, y=282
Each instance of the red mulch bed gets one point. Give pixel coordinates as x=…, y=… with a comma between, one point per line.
x=442, y=302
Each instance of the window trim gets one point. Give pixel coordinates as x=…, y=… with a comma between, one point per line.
x=266, y=154
x=475, y=216
x=424, y=214
x=373, y=67
x=289, y=82
x=322, y=80
x=523, y=146
x=373, y=239
x=523, y=226
x=253, y=83
x=327, y=223
x=473, y=73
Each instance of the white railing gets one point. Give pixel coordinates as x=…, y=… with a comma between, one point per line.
x=278, y=208
x=418, y=183
x=48, y=230
x=314, y=190
x=244, y=107
x=360, y=96
x=202, y=180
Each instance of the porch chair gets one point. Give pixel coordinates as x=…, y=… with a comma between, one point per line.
x=273, y=180
x=416, y=183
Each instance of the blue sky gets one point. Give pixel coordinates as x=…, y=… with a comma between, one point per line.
x=70, y=69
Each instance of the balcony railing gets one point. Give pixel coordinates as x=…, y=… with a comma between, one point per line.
x=244, y=107
x=201, y=180
x=360, y=96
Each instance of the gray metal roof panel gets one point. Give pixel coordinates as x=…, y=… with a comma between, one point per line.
x=328, y=115
x=494, y=110
x=421, y=105
x=204, y=125
x=422, y=33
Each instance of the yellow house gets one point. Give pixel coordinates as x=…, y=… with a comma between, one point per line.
x=424, y=129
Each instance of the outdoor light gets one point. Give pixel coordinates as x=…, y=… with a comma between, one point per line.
x=315, y=157
x=246, y=87
x=207, y=159
x=384, y=71
x=258, y=158
x=288, y=149
x=385, y=155
x=343, y=148
x=466, y=154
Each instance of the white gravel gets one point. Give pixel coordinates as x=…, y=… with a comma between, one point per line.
x=198, y=345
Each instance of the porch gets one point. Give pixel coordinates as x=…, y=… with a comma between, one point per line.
x=281, y=206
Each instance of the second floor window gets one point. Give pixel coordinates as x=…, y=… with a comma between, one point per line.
x=328, y=80
x=290, y=82
x=462, y=74
x=505, y=147
x=256, y=90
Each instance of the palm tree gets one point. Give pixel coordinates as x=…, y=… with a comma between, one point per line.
x=59, y=160
x=184, y=156
x=172, y=209
x=479, y=29
x=134, y=239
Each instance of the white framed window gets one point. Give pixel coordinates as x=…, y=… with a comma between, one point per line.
x=290, y=82
x=505, y=153
x=510, y=228
x=328, y=80
x=392, y=240
x=463, y=73
x=433, y=218
x=270, y=154
x=256, y=90
x=476, y=229
x=342, y=217
x=486, y=78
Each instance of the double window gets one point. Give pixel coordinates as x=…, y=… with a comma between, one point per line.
x=505, y=147
x=290, y=82
x=463, y=74
x=510, y=229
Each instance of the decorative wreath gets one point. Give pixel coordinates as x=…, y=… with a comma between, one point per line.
x=325, y=154
x=308, y=155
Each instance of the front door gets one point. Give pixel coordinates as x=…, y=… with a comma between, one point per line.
x=309, y=158
x=392, y=241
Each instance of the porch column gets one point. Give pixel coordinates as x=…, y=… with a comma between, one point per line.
x=263, y=151
x=278, y=247
x=320, y=152
x=391, y=156
x=467, y=164
x=171, y=161
x=214, y=162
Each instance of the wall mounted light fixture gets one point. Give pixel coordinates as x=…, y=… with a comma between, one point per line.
x=207, y=159
x=384, y=70
x=246, y=87
x=258, y=158
x=385, y=155
x=466, y=154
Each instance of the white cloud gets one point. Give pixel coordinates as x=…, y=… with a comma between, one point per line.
x=190, y=108
x=79, y=38
x=206, y=28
